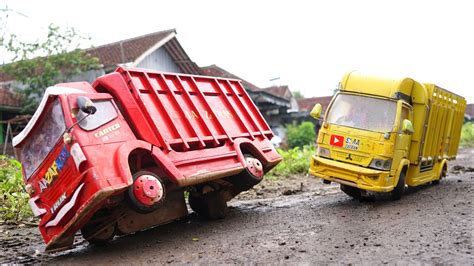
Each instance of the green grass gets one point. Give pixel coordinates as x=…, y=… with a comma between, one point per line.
x=467, y=135
x=295, y=161
x=13, y=199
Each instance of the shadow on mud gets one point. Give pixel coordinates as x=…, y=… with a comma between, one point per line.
x=408, y=194
x=175, y=234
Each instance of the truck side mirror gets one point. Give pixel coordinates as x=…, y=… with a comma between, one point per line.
x=86, y=105
x=407, y=127
x=316, y=112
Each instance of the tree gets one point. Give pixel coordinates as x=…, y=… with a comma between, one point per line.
x=38, y=65
x=300, y=135
x=297, y=94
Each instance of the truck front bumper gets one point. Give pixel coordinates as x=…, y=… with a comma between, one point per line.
x=351, y=175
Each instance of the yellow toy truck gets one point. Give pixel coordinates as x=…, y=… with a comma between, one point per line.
x=383, y=134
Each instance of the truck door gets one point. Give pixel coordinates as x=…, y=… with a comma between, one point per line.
x=402, y=147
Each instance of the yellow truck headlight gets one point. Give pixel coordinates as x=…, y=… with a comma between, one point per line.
x=381, y=164
x=323, y=152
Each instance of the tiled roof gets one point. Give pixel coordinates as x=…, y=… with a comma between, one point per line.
x=9, y=99
x=4, y=77
x=307, y=104
x=127, y=50
x=215, y=71
x=470, y=110
x=280, y=91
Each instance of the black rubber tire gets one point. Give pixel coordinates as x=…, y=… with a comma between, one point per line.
x=210, y=205
x=134, y=204
x=245, y=180
x=397, y=192
x=327, y=182
x=352, y=192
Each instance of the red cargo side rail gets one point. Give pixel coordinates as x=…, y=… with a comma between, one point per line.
x=189, y=112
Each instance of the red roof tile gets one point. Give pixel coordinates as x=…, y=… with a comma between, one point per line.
x=215, y=71
x=128, y=50
x=470, y=110
x=280, y=91
x=8, y=98
x=4, y=77
x=307, y=104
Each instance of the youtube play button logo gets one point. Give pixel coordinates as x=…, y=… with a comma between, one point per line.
x=337, y=140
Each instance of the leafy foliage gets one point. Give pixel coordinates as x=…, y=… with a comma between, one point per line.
x=295, y=161
x=13, y=200
x=467, y=134
x=38, y=65
x=297, y=94
x=300, y=135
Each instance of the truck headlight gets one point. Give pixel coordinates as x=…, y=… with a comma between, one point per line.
x=323, y=152
x=381, y=164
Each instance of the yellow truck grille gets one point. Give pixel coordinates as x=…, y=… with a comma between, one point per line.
x=350, y=157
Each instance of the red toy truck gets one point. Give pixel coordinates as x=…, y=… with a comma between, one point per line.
x=116, y=157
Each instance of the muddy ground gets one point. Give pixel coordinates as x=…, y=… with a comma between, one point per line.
x=294, y=220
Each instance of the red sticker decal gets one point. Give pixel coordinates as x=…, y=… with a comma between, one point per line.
x=337, y=140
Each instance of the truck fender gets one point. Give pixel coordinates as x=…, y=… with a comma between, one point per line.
x=246, y=144
x=122, y=154
x=401, y=165
x=124, y=151
x=444, y=163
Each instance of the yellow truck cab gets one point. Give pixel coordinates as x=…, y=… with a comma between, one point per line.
x=383, y=134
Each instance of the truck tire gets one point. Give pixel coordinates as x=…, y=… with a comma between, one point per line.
x=139, y=203
x=352, y=192
x=397, y=192
x=210, y=205
x=250, y=176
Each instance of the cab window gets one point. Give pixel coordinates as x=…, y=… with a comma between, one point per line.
x=105, y=113
x=404, y=115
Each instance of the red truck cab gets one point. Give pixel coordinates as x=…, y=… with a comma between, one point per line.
x=117, y=156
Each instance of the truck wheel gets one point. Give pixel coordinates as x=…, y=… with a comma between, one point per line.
x=210, y=205
x=397, y=192
x=351, y=191
x=327, y=182
x=90, y=233
x=441, y=176
x=146, y=193
x=250, y=176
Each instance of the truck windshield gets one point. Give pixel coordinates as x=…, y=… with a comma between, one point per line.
x=362, y=112
x=42, y=140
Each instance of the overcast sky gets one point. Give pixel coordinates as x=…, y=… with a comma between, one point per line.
x=309, y=45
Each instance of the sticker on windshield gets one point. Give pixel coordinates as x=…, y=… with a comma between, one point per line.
x=352, y=144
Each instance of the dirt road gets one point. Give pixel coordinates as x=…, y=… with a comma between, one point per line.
x=296, y=220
